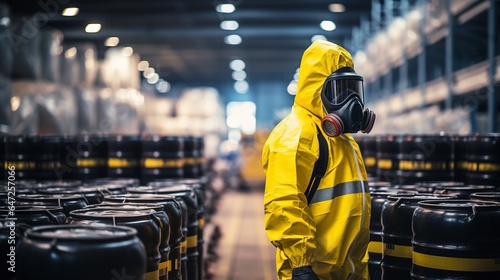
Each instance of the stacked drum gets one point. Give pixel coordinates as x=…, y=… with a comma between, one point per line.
x=77, y=203
x=431, y=199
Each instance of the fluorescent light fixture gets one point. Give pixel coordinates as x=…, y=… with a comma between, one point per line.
x=241, y=86
x=163, y=86
x=143, y=65
x=318, y=37
x=71, y=52
x=70, y=12
x=336, y=8
x=328, y=25
x=237, y=65
x=5, y=21
x=232, y=39
x=93, y=28
x=239, y=75
x=112, y=42
x=149, y=72
x=292, y=88
x=225, y=8
x=229, y=25
x=153, y=79
x=127, y=51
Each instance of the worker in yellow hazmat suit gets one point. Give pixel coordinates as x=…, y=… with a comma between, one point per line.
x=320, y=234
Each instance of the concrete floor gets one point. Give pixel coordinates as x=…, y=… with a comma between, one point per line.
x=243, y=250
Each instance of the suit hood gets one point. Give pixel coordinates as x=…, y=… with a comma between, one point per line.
x=319, y=60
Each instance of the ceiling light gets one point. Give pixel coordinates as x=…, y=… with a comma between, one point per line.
x=93, y=28
x=232, y=39
x=237, y=65
x=318, y=37
x=5, y=21
x=241, y=86
x=229, y=25
x=163, y=86
x=70, y=12
x=71, y=52
x=239, y=75
x=292, y=88
x=127, y=51
x=336, y=8
x=143, y=65
x=153, y=79
x=149, y=72
x=327, y=25
x=112, y=42
x=225, y=8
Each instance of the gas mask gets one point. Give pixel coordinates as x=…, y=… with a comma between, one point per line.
x=342, y=97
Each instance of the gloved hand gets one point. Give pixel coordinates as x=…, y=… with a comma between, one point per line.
x=304, y=273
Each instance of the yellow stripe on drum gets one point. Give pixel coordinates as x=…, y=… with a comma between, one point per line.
x=456, y=264
x=375, y=247
x=163, y=268
x=121, y=162
x=424, y=165
x=370, y=161
x=384, y=163
x=162, y=163
x=169, y=265
x=91, y=162
x=399, y=251
x=152, y=275
x=189, y=161
x=183, y=247
x=21, y=165
x=201, y=223
x=192, y=241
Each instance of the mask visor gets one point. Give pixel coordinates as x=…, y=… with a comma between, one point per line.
x=337, y=91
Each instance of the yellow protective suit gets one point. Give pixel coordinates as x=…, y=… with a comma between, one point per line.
x=332, y=232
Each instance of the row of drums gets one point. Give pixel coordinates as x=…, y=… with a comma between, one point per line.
x=104, y=229
x=89, y=156
x=434, y=230
x=408, y=159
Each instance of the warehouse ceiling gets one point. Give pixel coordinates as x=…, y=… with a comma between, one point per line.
x=184, y=42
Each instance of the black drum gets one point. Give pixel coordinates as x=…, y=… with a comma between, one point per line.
x=461, y=162
x=486, y=196
x=432, y=186
x=94, y=195
x=158, y=211
x=34, y=157
x=146, y=223
x=375, y=246
x=425, y=158
x=191, y=156
x=200, y=160
x=84, y=157
x=397, y=234
x=124, y=156
x=199, y=187
x=162, y=157
x=175, y=215
x=483, y=159
x=387, y=158
x=68, y=202
x=34, y=215
x=456, y=239
x=188, y=201
x=463, y=191
x=81, y=252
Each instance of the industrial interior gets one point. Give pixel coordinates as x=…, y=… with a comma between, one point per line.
x=134, y=136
